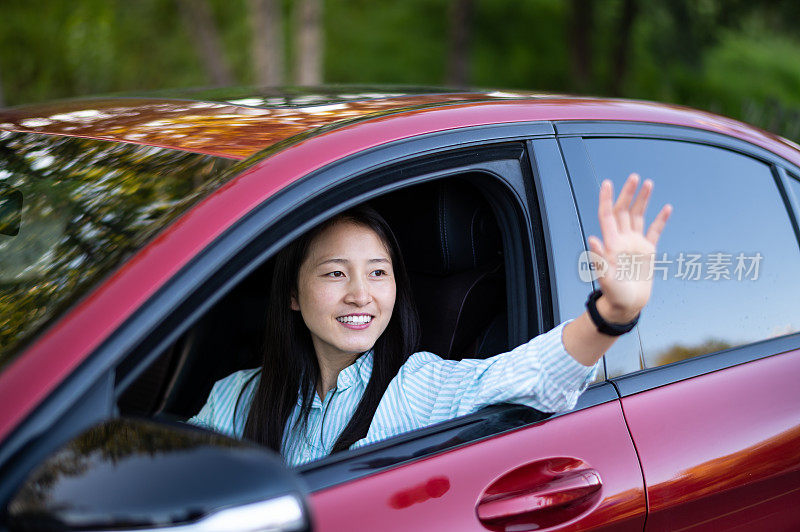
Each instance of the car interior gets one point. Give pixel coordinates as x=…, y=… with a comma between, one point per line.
x=452, y=248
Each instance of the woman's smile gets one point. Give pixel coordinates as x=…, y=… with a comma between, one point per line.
x=356, y=321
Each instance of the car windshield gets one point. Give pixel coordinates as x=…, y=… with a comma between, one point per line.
x=72, y=209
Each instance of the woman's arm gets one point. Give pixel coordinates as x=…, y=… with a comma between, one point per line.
x=622, y=227
x=550, y=371
x=539, y=373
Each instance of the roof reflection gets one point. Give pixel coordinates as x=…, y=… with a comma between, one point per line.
x=234, y=127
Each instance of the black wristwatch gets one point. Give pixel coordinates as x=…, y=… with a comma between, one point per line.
x=611, y=329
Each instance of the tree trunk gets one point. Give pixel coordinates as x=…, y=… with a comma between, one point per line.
x=197, y=16
x=460, y=26
x=580, y=41
x=266, y=24
x=623, y=48
x=308, y=32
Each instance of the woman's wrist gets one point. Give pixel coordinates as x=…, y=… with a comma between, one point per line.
x=584, y=342
x=614, y=314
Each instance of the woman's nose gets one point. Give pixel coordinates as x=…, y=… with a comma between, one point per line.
x=358, y=292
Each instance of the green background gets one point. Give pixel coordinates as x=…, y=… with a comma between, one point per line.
x=737, y=58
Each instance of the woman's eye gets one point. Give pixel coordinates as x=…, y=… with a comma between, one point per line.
x=379, y=273
x=337, y=273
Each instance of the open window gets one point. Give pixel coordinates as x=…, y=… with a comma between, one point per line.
x=453, y=249
x=468, y=246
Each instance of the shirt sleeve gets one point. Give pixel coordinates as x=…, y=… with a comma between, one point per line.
x=205, y=418
x=539, y=373
x=217, y=413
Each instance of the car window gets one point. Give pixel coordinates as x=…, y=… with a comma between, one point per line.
x=73, y=209
x=230, y=336
x=727, y=263
x=470, y=278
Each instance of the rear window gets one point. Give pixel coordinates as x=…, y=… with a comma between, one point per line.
x=726, y=267
x=72, y=209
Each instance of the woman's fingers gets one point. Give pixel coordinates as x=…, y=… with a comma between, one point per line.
x=640, y=206
x=657, y=226
x=622, y=206
x=596, y=246
x=628, y=212
x=605, y=213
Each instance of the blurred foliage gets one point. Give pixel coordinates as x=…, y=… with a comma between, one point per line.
x=679, y=352
x=87, y=205
x=740, y=58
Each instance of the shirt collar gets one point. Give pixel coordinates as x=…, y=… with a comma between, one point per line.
x=360, y=370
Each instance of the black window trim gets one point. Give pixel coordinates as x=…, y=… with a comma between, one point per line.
x=571, y=135
x=564, y=235
x=789, y=197
x=160, y=312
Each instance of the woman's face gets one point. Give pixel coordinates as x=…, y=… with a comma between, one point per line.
x=345, y=290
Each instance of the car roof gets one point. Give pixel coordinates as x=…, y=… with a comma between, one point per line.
x=234, y=123
x=239, y=122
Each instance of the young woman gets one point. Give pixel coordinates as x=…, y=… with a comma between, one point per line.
x=341, y=326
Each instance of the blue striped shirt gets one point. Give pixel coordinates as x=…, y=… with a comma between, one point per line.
x=426, y=390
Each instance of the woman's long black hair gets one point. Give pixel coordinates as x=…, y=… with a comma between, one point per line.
x=290, y=365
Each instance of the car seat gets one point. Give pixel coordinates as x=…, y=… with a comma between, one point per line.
x=453, y=251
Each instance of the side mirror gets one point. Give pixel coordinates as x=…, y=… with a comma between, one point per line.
x=139, y=475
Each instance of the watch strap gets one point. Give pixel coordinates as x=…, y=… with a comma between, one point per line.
x=611, y=329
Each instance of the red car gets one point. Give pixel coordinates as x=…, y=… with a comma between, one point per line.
x=136, y=238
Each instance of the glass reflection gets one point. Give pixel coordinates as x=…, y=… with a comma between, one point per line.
x=727, y=205
x=237, y=124
x=98, y=457
x=86, y=206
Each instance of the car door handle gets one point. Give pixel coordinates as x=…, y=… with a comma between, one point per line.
x=565, y=490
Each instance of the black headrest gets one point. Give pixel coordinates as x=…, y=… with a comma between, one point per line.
x=444, y=227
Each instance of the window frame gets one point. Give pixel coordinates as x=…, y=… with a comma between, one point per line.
x=585, y=184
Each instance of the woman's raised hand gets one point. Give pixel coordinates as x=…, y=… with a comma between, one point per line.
x=626, y=248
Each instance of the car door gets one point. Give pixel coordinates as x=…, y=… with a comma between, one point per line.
x=712, y=401
x=496, y=470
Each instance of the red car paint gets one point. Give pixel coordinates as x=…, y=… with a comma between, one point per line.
x=718, y=455
x=598, y=438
